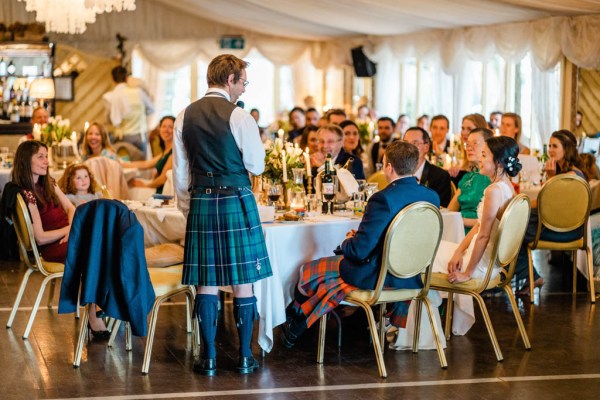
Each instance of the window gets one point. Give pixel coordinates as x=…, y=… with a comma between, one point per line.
x=260, y=93
x=408, y=89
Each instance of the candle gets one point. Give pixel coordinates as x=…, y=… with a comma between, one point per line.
x=74, y=144
x=284, y=166
x=296, y=145
x=37, y=132
x=86, y=126
x=307, y=161
x=280, y=133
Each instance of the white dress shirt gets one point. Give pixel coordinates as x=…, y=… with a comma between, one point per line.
x=246, y=135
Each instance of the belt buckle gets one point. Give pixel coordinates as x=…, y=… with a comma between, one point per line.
x=208, y=191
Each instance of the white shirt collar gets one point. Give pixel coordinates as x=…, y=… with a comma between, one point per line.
x=218, y=90
x=419, y=172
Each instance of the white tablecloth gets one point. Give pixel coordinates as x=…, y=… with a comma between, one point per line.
x=289, y=244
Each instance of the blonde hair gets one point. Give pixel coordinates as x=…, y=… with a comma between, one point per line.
x=85, y=147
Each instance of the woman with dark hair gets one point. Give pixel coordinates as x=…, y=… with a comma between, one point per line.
x=51, y=211
x=351, y=140
x=499, y=163
x=472, y=185
x=563, y=160
x=162, y=162
x=470, y=259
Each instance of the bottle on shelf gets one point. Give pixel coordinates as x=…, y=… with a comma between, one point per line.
x=328, y=186
x=2, y=67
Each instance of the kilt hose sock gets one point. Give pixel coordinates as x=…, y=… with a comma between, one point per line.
x=245, y=313
x=206, y=307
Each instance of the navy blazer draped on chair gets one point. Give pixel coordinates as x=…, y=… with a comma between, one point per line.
x=106, y=254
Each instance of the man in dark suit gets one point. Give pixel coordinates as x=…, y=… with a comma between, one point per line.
x=331, y=142
x=426, y=173
x=325, y=282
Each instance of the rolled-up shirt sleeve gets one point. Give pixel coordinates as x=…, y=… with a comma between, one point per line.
x=246, y=135
x=181, y=169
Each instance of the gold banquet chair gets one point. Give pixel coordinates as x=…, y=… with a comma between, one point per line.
x=511, y=231
x=34, y=263
x=564, y=205
x=411, y=243
x=379, y=179
x=167, y=284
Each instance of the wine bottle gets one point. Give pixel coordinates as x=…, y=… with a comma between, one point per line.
x=327, y=185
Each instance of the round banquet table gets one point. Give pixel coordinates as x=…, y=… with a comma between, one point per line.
x=289, y=245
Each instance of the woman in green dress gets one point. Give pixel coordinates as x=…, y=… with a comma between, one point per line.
x=471, y=186
x=162, y=162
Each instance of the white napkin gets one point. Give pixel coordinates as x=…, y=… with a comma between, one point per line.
x=266, y=213
x=347, y=181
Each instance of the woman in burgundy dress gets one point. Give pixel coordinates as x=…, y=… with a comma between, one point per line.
x=51, y=212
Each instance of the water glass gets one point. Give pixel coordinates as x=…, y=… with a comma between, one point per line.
x=358, y=204
x=313, y=202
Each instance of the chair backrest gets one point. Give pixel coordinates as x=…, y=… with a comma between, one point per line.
x=378, y=178
x=510, y=234
x=24, y=229
x=411, y=243
x=110, y=174
x=564, y=203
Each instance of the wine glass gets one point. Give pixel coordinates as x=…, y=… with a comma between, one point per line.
x=274, y=193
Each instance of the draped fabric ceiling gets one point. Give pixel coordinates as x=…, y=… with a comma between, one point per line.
x=172, y=33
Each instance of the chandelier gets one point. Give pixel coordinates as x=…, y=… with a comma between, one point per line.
x=72, y=16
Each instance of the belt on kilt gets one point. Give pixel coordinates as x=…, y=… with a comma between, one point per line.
x=227, y=190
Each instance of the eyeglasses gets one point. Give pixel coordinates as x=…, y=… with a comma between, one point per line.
x=471, y=145
x=415, y=143
x=244, y=82
x=329, y=142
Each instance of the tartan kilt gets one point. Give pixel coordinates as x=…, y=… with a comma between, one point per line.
x=224, y=241
x=321, y=281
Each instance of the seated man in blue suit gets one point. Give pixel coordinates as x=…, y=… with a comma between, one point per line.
x=325, y=282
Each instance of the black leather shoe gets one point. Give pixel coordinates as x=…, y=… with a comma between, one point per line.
x=206, y=366
x=287, y=337
x=246, y=365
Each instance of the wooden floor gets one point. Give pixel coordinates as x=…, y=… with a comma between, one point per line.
x=564, y=362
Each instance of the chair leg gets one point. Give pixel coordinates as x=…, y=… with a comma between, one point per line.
x=51, y=294
x=574, y=255
x=382, y=326
x=321, y=345
x=188, y=313
x=449, y=311
x=128, y=344
x=83, y=332
x=338, y=321
x=590, y=265
x=513, y=304
x=19, y=297
x=530, y=261
x=114, y=332
x=374, y=336
x=417, y=332
x=151, y=331
x=490, y=328
x=38, y=300
x=436, y=333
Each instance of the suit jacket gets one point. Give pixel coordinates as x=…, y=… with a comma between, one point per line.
x=357, y=166
x=437, y=179
x=106, y=255
x=362, y=253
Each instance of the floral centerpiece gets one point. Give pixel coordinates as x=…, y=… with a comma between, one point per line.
x=53, y=132
x=280, y=159
x=61, y=142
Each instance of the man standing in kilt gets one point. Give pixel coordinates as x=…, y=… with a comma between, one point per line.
x=215, y=148
x=325, y=282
